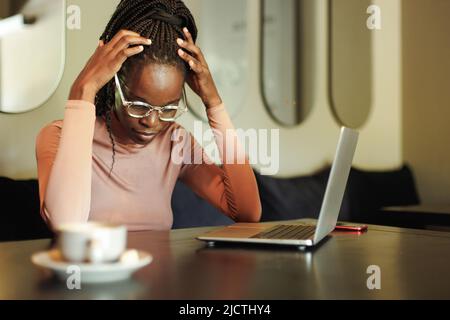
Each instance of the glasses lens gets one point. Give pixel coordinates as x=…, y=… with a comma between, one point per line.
x=137, y=110
x=170, y=113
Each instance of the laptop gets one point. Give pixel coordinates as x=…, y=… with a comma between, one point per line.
x=300, y=235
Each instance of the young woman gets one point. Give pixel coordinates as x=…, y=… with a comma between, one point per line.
x=114, y=157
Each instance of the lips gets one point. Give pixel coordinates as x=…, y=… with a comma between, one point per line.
x=146, y=134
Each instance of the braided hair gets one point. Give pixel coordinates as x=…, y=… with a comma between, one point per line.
x=162, y=21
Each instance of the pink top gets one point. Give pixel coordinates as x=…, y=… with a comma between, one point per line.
x=74, y=162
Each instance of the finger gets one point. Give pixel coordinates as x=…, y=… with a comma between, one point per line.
x=188, y=35
x=192, y=48
x=193, y=63
x=122, y=33
x=195, y=66
x=126, y=53
x=127, y=41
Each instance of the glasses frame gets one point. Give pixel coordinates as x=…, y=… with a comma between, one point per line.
x=127, y=104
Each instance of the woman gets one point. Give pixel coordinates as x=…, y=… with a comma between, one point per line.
x=113, y=160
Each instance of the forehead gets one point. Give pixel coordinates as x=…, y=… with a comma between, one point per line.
x=156, y=84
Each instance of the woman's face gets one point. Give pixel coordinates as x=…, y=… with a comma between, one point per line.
x=156, y=84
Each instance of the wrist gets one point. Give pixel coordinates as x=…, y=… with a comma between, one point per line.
x=214, y=102
x=80, y=91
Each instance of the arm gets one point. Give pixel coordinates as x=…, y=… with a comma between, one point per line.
x=64, y=160
x=231, y=188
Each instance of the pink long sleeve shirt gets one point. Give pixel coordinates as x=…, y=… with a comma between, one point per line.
x=74, y=158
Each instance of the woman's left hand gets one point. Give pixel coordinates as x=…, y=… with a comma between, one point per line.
x=199, y=78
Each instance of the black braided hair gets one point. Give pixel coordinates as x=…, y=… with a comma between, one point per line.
x=162, y=21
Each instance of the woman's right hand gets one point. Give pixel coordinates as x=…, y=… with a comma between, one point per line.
x=105, y=63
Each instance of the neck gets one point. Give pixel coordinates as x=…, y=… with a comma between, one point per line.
x=118, y=132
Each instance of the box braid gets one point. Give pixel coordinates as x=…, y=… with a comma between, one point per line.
x=161, y=21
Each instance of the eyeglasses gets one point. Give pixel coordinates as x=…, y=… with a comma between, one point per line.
x=139, y=109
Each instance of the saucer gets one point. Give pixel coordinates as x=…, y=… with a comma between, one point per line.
x=93, y=273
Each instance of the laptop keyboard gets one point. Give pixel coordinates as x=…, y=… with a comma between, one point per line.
x=290, y=232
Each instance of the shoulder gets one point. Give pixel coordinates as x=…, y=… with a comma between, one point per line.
x=175, y=131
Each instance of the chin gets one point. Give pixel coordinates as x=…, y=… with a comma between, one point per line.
x=143, y=140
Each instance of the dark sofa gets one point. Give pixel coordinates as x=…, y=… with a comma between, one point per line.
x=282, y=199
x=366, y=194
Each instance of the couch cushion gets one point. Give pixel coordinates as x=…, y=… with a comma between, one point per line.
x=291, y=198
x=366, y=193
x=282, y=199
x=190, y=210
x=20, y=211
x=369, y=191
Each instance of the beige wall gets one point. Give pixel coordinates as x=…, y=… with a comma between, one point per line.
x=303, y=149
x=426, y=96
x=311, y=145
x=18, y=132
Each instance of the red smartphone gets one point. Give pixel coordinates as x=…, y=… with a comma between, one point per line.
x=350, y=227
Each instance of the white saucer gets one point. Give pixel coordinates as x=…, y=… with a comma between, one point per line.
x=92, y=273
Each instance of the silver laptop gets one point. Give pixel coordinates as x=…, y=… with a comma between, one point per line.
x=300, y=235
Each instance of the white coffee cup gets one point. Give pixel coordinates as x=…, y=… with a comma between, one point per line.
x=93, y=242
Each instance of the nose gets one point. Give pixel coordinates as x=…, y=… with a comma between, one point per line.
x=152, y=121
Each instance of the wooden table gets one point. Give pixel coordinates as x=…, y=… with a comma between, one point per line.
x=414, y=265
